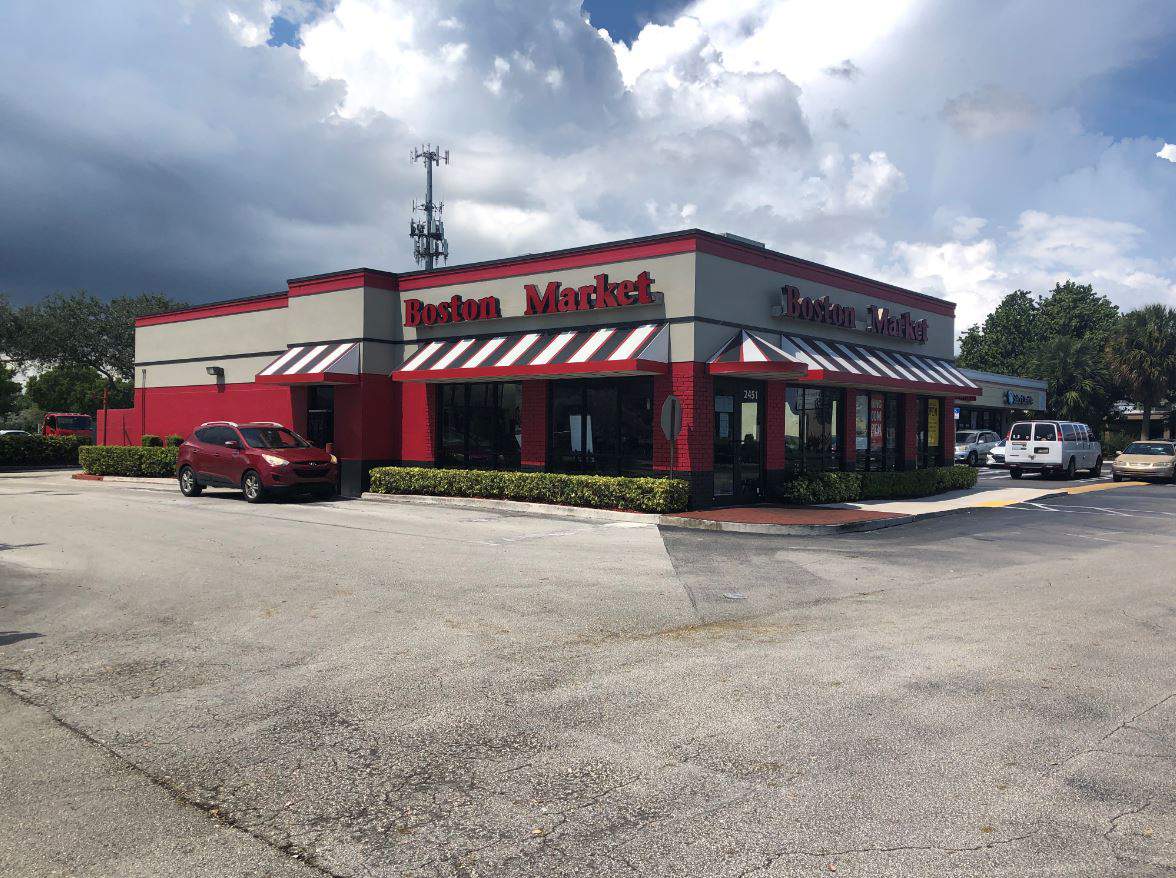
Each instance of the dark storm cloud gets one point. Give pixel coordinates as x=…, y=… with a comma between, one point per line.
x=163, y=155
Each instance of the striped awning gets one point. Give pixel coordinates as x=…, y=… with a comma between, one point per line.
x=861, y=365
x=750, y=354
x=627, y=350
x=328, y=363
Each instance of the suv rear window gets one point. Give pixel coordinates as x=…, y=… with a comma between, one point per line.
x=1045, y=432
x=1020, y=432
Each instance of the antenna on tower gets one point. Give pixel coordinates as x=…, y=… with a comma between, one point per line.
x=428, y=235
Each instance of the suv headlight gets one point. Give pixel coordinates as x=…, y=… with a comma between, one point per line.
x=274, y=460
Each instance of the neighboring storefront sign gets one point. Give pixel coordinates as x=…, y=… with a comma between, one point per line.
x=1019, y=399
x=555, y=298
x=794, y=306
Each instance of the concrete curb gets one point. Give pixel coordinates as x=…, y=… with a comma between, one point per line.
x=575, y=512
x=795, y=530
x=158, y=482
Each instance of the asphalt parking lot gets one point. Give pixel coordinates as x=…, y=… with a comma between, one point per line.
x=349, y=688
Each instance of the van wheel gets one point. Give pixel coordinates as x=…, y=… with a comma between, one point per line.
x=189, y=487
x=1015, y=473
x=252, y=487
x=1071, y=469
x=1096, y=470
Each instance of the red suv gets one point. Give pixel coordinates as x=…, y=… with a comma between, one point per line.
x=260, y=459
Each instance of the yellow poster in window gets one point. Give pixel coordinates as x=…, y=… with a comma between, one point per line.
x=932, y=423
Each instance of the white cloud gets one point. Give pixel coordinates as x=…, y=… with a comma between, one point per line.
x=827, y=130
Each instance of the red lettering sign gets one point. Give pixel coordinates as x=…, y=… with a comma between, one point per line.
x=556, y=298
x=902, y=326
x=456, y=310
x=794, y=306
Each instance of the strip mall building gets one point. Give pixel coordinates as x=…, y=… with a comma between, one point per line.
x=562, y=361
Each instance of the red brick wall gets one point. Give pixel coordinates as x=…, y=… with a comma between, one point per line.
x=534, y=423
x=693, y=386
x=418, y=418
x=910, y=424
x=849, y=429
x=947, y=431
x=775, y=398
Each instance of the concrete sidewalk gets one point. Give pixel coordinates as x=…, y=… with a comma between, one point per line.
x=975, y=498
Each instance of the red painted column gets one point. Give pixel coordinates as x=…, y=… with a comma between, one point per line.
x=910, y=425
x=694, y=455
x=947, y=431
x=849, y=431
x=418, y=422
x=534, y=424
x=775, y=398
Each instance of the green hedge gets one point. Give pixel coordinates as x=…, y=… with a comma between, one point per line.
x=150, y=440
x=596, y=492
x=41, y=450
x=838, y=487
x=174, y=440
x=128, y=460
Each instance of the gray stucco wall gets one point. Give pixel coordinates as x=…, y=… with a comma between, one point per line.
x=745, y=294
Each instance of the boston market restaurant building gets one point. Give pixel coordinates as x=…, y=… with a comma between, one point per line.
x=562, y=361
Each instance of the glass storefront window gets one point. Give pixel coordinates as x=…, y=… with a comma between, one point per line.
x=479, y=426
x=812, y=429
x=602, y=426
x=927, y=436
x=891, y=453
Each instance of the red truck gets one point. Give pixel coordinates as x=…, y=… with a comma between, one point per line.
x=67, y=424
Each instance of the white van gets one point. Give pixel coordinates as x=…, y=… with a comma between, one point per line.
x=1052, y=448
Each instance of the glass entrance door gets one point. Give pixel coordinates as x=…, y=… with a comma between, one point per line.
x=738, y=440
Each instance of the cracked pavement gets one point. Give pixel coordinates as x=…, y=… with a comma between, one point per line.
x=354, y=689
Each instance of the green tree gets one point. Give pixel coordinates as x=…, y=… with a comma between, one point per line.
x=75, y=389
x=1141, y=353
x=10, y=391
x=77, y=330
x=1005, y=342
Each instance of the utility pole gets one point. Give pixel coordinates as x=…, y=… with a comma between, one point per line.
x=428, y=235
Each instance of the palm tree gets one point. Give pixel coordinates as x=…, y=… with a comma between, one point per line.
x=1141, y=354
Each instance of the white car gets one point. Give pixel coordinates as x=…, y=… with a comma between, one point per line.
x=972, y=446
x=15, y=433
x=996, y=457
x=1052, y=448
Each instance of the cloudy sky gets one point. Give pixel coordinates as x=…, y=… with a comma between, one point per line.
x=214, y=148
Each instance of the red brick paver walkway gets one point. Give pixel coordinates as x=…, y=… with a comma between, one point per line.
x=786, y=515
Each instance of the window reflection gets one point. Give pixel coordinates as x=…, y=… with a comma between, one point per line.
x=480, y=425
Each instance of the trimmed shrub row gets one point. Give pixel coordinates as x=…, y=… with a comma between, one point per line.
x=837, y=487
x=596, y=492
x=41, y=450
x=128, y=460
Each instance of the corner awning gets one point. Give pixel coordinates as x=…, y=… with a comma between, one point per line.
x=804, y=358
x=840, y=362
x=329, y=363
x=754, y=356
x=573, y=353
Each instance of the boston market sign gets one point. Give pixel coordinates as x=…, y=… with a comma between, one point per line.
x=554, y=298
x=794, y=306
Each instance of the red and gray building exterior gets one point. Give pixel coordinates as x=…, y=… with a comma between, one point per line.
x=562, y=361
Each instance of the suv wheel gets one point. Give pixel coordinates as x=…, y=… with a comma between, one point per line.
x=252, y=487
x=189, y=487
x=1071, y=469
x=972, y=459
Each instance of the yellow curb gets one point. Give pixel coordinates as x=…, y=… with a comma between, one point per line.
x=997, y=504
x=1086, y=489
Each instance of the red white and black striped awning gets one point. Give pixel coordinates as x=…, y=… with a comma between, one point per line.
x=864, y=366
x=749, y=354
x=327, y=363
x=627, y=350
x=804, y=358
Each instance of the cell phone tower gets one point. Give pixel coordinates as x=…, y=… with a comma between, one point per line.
x=428, y=235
